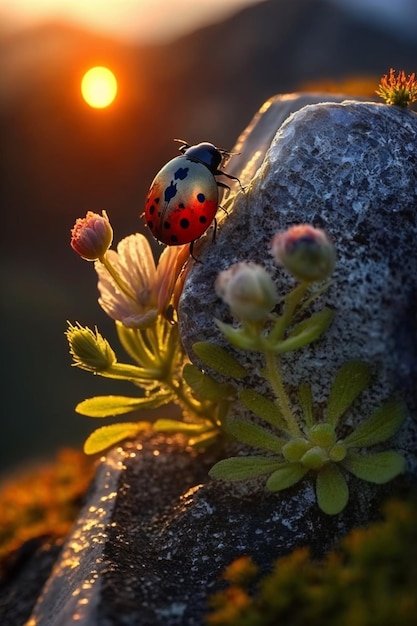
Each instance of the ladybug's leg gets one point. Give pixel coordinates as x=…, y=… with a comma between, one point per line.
x=215, y=227
x=214, y=239
x=220, y=173
x=192, y=252
x=222, y=185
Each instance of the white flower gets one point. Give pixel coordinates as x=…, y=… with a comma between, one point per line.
x=133, y=290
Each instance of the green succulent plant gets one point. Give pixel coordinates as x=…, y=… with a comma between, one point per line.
x=317, y=447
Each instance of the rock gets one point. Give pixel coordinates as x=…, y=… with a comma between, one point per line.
x=154, y=538
x=155, y=535
x=23, y=576
x=250, y=148
x=351, y=169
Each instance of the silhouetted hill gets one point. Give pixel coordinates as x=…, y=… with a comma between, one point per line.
x=61, y=158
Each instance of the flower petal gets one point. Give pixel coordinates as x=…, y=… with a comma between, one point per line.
x=170, y=265
x=135, y=265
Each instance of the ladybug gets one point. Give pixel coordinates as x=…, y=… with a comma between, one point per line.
x=184, y=196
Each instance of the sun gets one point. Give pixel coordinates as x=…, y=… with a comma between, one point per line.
x=99, y=87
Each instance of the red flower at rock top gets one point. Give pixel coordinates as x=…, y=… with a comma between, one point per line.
x=92, y=236
x=398, y=89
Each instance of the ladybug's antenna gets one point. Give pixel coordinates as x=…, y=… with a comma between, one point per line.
x=185, y=145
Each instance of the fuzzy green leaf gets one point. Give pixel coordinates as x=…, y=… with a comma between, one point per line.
x=255, y=435
x=219, y=360
x=331, y=490
x=380, y=426
x=306, y=401
x=176, y=426
x=262, y=407
x=286, y=476
x=351, y=379
x=238, y=337
x=108, y=436
x=375, y=468
x=105, y=406
x=307, y=331
x=243, y=467
x=205, y=386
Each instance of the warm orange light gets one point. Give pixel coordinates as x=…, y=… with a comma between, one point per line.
x=99, y=87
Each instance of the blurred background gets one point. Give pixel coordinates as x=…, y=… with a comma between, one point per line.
x=194, y=70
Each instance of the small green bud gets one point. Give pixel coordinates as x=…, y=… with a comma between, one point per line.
x=323, y=435
x=295, y=449
x=89, y=349
x=314, y=458
x=248, y=289
x=305, y=251
x=338, y=452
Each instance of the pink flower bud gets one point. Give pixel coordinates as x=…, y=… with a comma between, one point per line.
x=305, y=251
x=92, y=236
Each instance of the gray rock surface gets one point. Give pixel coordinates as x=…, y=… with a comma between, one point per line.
x=351, y=169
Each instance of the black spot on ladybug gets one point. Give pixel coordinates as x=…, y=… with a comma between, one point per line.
x=167, y=225
x=150, y=225
x=156, y=200
x=174, y=238
x=202, y=219
x=201, y=197
x=181, y=205
x=184, y=223
x=181, y=173
x=170, y=192
x=152, y=209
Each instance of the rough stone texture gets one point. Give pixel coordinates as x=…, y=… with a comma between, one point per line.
x=250, y=148
x=155, y=537
x=155, y=534
x=350, y=168
x=23, y=576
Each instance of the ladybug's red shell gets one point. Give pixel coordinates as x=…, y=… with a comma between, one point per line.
x=182, y=201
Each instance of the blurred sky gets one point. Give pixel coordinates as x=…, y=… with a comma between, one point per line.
x=163, y=20
x=138, y=20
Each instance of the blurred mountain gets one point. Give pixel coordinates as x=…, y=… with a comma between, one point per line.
x=60, y=158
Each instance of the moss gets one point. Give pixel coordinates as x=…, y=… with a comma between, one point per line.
x=42, y=501
x=369, y=580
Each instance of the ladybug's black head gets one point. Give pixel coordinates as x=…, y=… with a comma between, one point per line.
x=205, y=153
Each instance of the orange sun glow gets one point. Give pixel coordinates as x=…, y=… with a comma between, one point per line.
x=99, y=87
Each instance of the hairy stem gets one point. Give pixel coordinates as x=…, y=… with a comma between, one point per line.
x=275, y=379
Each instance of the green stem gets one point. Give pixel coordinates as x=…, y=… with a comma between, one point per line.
x=293, y=300
x=125, y=371
x=156, y=341
x=186, y=400
x=275, y=378
x=117, y=278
